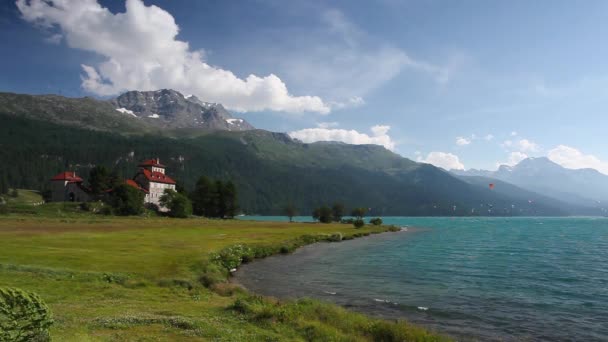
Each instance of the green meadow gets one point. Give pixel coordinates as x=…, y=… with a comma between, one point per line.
x=140, y=279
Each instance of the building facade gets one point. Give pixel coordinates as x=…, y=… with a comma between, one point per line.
x=68, y=187
x=152, y=178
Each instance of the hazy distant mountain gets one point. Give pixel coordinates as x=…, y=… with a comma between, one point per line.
x=541, y=175
x=170, y=108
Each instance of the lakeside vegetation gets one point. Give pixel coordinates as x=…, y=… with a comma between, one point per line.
x=158, y=278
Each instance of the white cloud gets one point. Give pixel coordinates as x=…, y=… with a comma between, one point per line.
x=513, y=133
x=515, y=158
x=142, y=53
x=444, y=160
x=327, y=124
x=572, y=158
x=526, y=145
x=379, y=136
x=507, y=144
x=344, y=61
x=488, y=137
x=462, y=141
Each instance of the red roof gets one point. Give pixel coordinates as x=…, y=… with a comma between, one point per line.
x=158, y=177
x=151, y=162
x=69, y=176
x=134, y=184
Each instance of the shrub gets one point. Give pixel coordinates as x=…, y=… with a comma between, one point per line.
x=14, y=193
x=358, y=223
x=376, y=221
x=23, y=316
x=126, y=200
x=335, y=237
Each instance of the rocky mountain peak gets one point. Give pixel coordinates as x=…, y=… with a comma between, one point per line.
x=170, y=108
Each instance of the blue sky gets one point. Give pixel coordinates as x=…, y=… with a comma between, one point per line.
x=468, y=84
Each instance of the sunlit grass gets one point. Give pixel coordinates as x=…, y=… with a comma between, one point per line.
x=137, y=278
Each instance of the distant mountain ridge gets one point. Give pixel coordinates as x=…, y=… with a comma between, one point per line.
x=131, y=112
x=577, y=186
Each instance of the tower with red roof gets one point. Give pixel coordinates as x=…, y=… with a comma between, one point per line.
x=68, y=187
x=151, y=177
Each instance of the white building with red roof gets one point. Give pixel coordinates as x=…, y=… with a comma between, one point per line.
x=149, y=179
x=152, y=179
x=68, y=187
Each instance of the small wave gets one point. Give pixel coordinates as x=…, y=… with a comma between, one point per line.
x=331, y=293
x=381, y=300
x=422, y=308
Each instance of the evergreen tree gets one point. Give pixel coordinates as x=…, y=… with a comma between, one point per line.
x=99, y=179
x=202, y=197
x=219, y=200
x=3, y=184
x=359, y=213
x=230, y=199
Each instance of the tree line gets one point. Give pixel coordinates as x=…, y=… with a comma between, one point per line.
x=210, y=198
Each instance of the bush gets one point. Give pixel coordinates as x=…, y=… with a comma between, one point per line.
x=23, y=316
x=376, y=221
x=14, y=193
x=335, y=237
x=126, y=200
x=358, y=223
x=178, y=204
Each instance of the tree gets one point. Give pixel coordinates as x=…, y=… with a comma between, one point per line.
x=359, y=213
x=178, y=204
x=323, y=214
x=202, y=197
x=23, y=316
x=376, y=221
x=316, y=213
x=230, y=199
x=126, y=200
x=3, y=184
x=99, y=179
x=337, y=211
x=290, y=211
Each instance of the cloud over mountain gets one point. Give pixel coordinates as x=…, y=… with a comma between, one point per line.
x=447, y=161
x=572, y=158
x=379, y=136
x=141, y=52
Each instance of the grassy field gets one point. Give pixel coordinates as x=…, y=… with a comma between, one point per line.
x=137, y=279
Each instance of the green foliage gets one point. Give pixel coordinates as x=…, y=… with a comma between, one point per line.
x=126, y=200
x=290, y=211
x=99, y=179
x=376, y=221
x=14, y=193
x=359, y=212
x=358, y=223
x=214, y=198
x=178, y=204
x=337, y=211
x=317, y=321
x=3, y=183
x=322, y=214
x=23, y=316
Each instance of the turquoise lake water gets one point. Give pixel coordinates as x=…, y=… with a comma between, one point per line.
x=511, y=279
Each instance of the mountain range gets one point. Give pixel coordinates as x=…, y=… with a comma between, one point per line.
x=45, y=134
x=581, y=187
